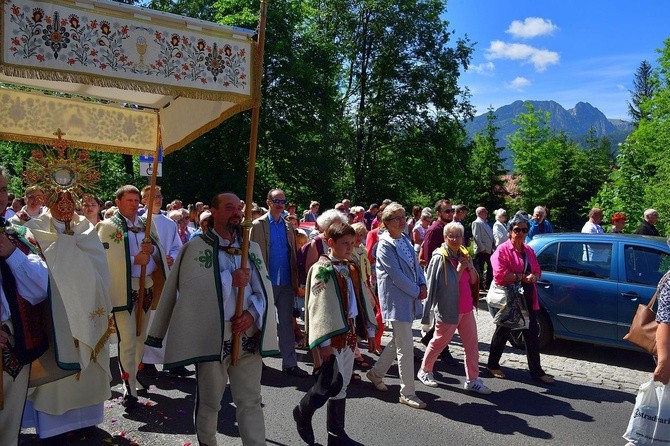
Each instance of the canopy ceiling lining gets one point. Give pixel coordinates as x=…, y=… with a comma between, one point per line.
x=34, y=118
x=140, y=66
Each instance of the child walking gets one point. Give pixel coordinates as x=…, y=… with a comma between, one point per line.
x=337, y=313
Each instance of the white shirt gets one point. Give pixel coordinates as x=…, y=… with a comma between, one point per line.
x=167, y=233
x=254, y=301
x=592, y=228
x=32, y=279
x=134, y=245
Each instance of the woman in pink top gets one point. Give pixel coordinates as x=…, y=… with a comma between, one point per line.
x=515, y=262
x=453, y=291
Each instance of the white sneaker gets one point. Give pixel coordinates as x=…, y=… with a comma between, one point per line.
x=477, y=385
x=412, y=401
x=426, y=378
x=377, y=381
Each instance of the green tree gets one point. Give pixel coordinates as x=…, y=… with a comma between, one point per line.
x=651, y=140
x=571, y=183
x=299, y=127
x=486, y=169
x=399, y=91
x=644, y=90
x=533, y=157
x=641, y=179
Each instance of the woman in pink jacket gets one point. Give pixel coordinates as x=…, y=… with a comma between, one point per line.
x=515, y=262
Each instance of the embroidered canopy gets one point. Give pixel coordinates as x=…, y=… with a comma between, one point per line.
x=117, y=78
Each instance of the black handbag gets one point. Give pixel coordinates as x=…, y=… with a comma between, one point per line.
x=514, y=314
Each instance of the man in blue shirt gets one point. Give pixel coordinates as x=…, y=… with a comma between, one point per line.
x=276, y=238
x=538, y=223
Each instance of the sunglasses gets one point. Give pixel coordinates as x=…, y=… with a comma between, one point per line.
x=278, y=201
x=517, y=230
x=449, y=211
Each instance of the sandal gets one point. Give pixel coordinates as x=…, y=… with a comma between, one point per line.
x=496, y=373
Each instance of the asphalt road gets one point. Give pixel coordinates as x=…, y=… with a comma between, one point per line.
x=590, y=404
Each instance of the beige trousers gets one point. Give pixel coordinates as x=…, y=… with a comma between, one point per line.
x=131, y=347
x=245, y=386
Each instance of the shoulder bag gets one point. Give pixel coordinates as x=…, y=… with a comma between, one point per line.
x=642, y=330
x=496, y=296
x=514, y=312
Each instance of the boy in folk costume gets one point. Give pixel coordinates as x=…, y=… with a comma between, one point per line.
x=338, y=312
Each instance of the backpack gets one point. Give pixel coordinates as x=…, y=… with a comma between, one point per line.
x=302, y=259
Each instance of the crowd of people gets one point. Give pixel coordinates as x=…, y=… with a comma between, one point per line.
x=172, y=289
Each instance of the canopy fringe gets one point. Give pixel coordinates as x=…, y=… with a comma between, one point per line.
x=107, y=82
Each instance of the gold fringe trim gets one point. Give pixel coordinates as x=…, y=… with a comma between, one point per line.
x=73, y=143
x=125, y=84
x=103, y=340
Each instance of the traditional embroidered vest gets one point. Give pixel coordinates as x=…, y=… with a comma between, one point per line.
x=357, y=327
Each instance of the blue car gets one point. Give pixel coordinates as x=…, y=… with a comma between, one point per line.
x=591, y=284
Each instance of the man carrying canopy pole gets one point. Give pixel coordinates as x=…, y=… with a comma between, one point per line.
x=123, y=237
x=198, y=306
x=253, y=143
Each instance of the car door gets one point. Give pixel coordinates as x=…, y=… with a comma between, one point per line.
x=641, y=267
x=580, y=294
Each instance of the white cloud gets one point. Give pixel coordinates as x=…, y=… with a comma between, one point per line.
x=531, y=27
x=518, y=84
x=483, y=68
x=540, y=58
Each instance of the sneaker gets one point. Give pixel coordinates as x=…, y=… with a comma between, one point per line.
x=412, y=401
x=426, y=378
x=377, y=381
x=476, y=385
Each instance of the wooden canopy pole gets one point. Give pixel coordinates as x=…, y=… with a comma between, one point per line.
x=2, y=371
x=147, y=230
x=249, y=198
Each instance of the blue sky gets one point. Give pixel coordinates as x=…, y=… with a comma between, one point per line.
x=567, y=51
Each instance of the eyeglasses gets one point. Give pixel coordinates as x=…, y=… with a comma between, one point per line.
x=397, y=218
x=517, y=230
x=449, y=211
x=454, y=237
x=278, y=201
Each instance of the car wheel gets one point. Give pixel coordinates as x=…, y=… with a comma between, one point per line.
x=545, y=333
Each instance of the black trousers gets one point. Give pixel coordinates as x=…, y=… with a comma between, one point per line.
x=482, y=259
x=530, y=336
